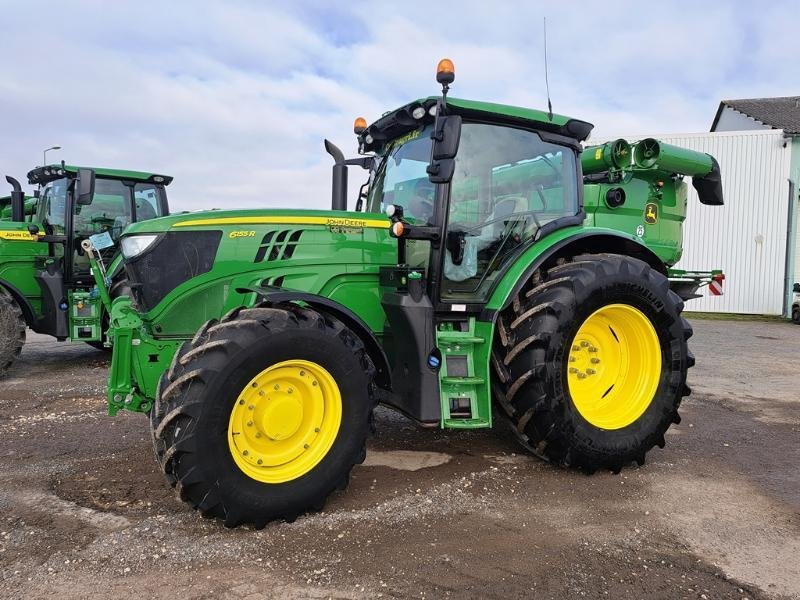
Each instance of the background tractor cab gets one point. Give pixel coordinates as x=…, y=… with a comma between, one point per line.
x=45, y=276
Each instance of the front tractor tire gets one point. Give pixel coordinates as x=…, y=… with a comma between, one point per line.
x=591, y=361
x=264, y=414
x=12, y=331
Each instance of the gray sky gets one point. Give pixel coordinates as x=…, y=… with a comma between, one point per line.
x=234, y=98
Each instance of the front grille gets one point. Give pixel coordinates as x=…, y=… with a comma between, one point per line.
x=175, y=257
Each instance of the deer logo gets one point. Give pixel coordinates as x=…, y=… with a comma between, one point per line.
x=651, y=213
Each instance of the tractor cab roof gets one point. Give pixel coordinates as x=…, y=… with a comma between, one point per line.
x=41, y=175
x=408, y=118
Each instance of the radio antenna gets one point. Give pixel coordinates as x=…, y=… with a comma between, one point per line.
x=546, y=79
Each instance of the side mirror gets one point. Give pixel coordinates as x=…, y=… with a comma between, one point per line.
x=84, y=187
x=796, y=288
x=446, y=137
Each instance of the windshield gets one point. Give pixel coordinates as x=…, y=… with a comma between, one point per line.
x=402, y=178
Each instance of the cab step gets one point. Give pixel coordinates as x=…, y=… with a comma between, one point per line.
x=463, y=385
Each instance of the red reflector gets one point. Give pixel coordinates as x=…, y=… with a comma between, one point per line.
x=715, y=286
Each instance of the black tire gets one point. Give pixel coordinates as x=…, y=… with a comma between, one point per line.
x=159, y=408
x=196, y=396
x=796, y=315
x=12, y=331
x=535, y=337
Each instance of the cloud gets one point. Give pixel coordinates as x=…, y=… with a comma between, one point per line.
x=235, y=98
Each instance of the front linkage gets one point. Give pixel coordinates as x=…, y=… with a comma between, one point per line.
x=135, y=351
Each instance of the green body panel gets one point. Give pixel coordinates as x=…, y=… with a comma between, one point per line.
x=338, y=257
x=665, y=236
x=20, y=259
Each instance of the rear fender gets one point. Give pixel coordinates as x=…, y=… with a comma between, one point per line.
x=585, y=241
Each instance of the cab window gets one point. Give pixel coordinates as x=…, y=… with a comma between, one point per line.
x=402, y=178
x=507, y=183
x=148, y=200
x=110, y=210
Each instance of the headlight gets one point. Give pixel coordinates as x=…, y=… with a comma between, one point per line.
x=134, y=245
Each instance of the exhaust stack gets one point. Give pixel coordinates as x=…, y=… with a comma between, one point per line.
x=17, y=200
x=339, y=183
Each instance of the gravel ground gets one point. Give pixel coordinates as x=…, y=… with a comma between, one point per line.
x=84, y=511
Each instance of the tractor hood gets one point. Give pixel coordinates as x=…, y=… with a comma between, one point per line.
x=232, y=219
x=174, y=258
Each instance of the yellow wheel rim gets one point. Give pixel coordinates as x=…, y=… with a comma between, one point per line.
x=614, y=366
x=285, y=421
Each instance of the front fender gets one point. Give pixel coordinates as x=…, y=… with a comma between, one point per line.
x=277, y=296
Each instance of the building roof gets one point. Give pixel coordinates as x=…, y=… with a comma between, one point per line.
x=777, y=113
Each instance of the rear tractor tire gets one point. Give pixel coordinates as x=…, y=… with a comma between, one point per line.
x=796, y=315
x=591, y=362
x=263, y=415
x=12, y=331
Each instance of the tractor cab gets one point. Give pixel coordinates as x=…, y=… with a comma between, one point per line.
x=507, y=183
x=76, y=204
x=468, y=188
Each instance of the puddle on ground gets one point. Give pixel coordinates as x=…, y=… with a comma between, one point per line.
x=52, y=504
x=406, y=460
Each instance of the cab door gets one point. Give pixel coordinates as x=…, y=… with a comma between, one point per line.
x=507, y=184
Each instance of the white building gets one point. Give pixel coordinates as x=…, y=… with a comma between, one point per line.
x=755, y=237
x=770, y=114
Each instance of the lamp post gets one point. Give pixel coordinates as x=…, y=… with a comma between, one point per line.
x=44, y=153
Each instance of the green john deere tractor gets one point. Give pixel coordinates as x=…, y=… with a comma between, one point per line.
x=45, y=278
x=489, y=263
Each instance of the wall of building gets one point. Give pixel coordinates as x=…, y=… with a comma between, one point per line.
x=733, y=120
x=795, y=177
x=748, y=237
